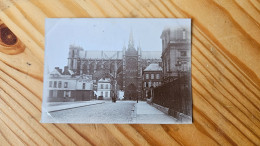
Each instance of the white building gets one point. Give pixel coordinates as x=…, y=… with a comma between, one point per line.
x=104, y=88
x=64, y=86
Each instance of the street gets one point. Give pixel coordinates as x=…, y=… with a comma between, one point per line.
x=108, y=112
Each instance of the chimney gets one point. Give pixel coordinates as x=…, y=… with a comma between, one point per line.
x=66, y=70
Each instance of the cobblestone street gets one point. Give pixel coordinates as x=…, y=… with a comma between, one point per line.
x=119, y=112
x=108, y=112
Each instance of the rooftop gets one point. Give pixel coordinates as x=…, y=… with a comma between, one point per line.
x=153, y=67
x=104, y=80
x=97, y=54
x=55, y=72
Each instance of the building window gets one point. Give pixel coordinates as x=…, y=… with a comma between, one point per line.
x=59, y=85
x=183, y=34
x=67, y=94
x=83, y=85
x=106, y=94
x=101, y=94
x=55, y=93
x=50, y=93
x=50, y=83
x=65, y=84
x=183, y=53
x=157, y=76
x=106, y=86
x=101, y=86
x=144, y=84
x=55, y=84
x=150, y=84
x=152, y=76
x=147, y=76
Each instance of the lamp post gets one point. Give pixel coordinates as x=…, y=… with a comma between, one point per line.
x=114, y=83
x=179, y=100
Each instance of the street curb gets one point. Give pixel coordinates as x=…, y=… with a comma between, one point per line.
x=75, y=106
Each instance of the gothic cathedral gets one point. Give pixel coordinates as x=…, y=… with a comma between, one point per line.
x=124, y=66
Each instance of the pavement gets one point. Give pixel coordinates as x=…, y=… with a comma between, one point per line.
x=147, y=114
x=100, y=111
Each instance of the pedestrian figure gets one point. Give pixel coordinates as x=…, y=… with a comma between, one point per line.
x=114, y=99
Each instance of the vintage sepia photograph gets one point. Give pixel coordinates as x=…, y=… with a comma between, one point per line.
x=117, y=70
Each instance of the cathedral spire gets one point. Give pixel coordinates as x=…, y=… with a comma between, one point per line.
x=131, y=40
x=124, y=49
x=139, y=49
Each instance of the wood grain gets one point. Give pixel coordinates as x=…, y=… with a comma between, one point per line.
x=225, y=74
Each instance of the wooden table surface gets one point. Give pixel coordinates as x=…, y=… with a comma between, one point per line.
x=225, y=73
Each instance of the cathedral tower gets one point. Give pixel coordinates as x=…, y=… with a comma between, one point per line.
x=74, y=52
x=131, y=72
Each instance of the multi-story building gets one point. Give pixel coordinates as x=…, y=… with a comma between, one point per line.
x=65, y=86
x=104, y=88
x=176, y=47
x=151, y=78
x=124, y=66
x=175, y=91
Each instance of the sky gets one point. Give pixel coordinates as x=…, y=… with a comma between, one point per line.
x=102, y=34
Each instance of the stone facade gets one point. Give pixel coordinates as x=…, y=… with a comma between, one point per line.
x=151, y=79
x=176, y=55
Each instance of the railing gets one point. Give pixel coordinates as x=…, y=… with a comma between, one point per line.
x=175, y=95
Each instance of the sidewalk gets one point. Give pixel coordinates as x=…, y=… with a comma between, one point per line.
x=145, y=113
x=68, y=105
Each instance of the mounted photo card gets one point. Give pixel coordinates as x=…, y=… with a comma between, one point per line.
x=117, y=71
